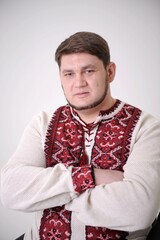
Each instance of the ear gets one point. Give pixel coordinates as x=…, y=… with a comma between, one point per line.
x=111, y=71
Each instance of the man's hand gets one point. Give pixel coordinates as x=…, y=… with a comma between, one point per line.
x=105, y=176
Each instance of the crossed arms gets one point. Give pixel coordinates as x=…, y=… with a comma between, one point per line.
x=27, y=185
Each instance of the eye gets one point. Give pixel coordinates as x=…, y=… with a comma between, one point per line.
x=68, y=74
x=89, y=71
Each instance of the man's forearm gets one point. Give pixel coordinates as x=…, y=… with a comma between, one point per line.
x=105, y=176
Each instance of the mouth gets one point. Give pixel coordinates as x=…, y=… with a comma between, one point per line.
x=81, y=94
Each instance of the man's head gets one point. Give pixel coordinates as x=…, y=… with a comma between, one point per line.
x=86, y=71
x=84, y=42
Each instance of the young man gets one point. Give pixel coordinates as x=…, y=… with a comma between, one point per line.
x=91, y=169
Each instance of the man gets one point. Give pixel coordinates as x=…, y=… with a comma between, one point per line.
x=91, y=169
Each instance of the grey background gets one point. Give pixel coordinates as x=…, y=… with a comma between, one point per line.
x=31, y=30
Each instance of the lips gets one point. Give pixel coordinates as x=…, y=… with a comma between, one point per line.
x=81, y=94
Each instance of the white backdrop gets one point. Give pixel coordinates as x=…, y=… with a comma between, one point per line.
x=31, y=30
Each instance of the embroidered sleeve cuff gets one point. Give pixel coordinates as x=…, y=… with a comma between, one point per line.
x=82, y=178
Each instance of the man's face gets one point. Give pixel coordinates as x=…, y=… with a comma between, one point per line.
x=84, y=80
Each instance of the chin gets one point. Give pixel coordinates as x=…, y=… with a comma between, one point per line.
x=82, y=107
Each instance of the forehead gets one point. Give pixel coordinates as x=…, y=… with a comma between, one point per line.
x=79, y=60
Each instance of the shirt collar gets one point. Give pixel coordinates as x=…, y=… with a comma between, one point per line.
x=103, y=115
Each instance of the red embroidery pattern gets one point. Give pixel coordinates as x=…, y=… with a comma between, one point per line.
x=65, y=144
x=64, y=140
x=93, y=233
x=82, y=178
x=55, y=224
x=112, y=142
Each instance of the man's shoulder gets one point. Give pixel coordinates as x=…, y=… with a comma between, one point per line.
x=45, y=116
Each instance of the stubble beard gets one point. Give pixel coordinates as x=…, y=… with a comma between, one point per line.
x=92, y=105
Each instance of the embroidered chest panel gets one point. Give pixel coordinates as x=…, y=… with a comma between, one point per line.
x=65, y=141
x=113, y=139
x=65, y=144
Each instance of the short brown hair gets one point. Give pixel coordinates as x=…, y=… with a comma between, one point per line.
x=86, y=42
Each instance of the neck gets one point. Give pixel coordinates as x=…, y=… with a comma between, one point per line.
x=90, y=115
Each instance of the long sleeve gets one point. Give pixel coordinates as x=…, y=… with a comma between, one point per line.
x=133, y=203
x=26, y=183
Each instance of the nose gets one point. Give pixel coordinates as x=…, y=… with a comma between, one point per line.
x=80, y=81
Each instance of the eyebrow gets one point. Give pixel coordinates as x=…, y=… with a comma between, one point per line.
x=83, y=68
x=89, y=66
x=67, y=70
